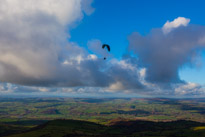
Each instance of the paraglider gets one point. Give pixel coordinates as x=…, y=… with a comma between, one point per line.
x=108, y=48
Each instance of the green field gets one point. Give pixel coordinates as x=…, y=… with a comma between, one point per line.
x=22, y=114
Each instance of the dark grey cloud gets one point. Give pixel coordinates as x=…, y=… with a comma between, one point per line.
x=163, y=54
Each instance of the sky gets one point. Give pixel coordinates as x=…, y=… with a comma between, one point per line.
x=54, y=48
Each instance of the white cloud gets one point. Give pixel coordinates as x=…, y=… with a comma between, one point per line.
x=143, y=73
x=180, y=21
x=33, y=40
x=92, y=57
x=116, y=86
x=65, y=11
x=189, y=89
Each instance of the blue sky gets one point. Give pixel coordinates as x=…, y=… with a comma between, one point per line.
x=113, y=21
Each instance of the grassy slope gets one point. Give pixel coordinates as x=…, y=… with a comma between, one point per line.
x=6, y=129
x=10, y=127
x=60, y=128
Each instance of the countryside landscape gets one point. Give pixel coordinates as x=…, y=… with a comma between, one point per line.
x=100, y=117
x=102, y=68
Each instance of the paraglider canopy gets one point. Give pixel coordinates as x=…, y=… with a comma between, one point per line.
x=108, y=48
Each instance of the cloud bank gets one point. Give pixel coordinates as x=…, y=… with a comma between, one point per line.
x=32, y=37
x=35, y=50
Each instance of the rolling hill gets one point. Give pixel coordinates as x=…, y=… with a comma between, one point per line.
x=77, y=128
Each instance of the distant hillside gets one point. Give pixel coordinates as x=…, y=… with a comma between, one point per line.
x=102, y=110
x=76, y=128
